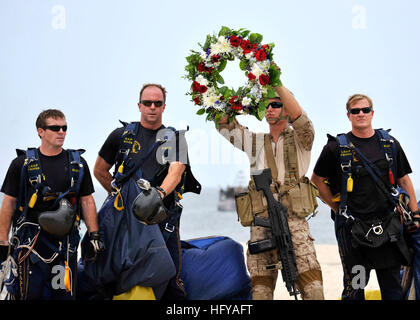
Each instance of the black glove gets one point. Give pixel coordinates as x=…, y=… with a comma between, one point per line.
x=4, y=253
x=95, y=246
x=149, y=208
x=415, y=224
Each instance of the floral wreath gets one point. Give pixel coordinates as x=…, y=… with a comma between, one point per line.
x=204, y=70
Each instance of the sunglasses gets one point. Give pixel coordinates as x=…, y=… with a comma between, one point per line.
x=357, y=110
x=275, y=105
x=56, y=128
x=148, y=103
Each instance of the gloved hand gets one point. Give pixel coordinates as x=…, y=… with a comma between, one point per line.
x=95, y=247
x=415, y=225
x=4, y=252
x=149, y=208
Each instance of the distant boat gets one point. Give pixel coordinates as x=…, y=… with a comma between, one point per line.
x=227, y=195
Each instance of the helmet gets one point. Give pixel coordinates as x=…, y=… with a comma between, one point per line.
x=60, y=221
x=148, y=207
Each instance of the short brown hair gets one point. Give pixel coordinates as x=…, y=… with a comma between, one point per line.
x=49, y=113
x=357, y=97
x=154, y=85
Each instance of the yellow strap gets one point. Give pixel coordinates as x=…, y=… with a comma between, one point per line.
x=121, y=168
x=349, y=184
x=67, y=278
x=34, y=197
x=116, y=201
x=336, y=198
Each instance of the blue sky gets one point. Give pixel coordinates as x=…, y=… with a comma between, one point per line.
x=90, y=58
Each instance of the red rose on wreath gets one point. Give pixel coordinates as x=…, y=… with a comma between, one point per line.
x=260, y=55
x=196, y=100
x=265, y=47
x=196, y=86
x=251, y=76
x=235, y=41
x=264, y=79
x=215, y=58
x=202, y=89
x=202, y=68
x=232, y=100
x=237, y=106
x=247, y=47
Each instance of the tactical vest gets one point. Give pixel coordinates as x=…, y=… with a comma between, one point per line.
x=297, y=193
x=32, y=172
x=188, y=182
x=347, y=154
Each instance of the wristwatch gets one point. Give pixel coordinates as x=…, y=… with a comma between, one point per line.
x=161, y=190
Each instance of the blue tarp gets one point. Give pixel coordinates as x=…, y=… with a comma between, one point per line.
x=214, y=268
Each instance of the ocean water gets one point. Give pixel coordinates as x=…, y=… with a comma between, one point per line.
x=200, y=218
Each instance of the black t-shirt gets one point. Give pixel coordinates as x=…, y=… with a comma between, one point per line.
x=55, y=169
x=366, y=198
x=176, y=148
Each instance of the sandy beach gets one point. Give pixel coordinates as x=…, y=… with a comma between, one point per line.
x=332, y=274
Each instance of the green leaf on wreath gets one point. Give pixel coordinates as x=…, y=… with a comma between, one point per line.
x=222, y=66
x=224, y=31
x=263, y=105
x=271, y=93
x=245, y=33
x=207, y=43
x=220, y=79
x=260, y=114
x=255, y=38
x=242, y=65
x=201, y=111
x=224, y=90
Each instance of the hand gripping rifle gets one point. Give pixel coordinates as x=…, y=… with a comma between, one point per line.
x=281, y=239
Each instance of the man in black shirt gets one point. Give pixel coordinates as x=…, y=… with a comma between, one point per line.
x=365, y=201
x=164, y=170
x=25, y=201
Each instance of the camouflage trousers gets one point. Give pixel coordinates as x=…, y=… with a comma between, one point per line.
x=309, y=277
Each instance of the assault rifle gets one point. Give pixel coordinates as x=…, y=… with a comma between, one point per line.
x=281, y=239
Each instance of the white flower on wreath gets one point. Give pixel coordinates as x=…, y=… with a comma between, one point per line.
x=201, y=80
x=256, y=70
x=221, y=46
x=246, y=101
x=210, y=97
x=256, y=92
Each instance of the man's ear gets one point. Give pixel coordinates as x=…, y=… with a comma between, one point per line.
x=40, y=130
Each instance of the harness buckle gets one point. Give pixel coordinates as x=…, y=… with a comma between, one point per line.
x=126, y=151
x=169, y=227
x=143, y=184
x=394, y=191
x=34, y=181
x=345, y=166
x=343, y=212
x=114, y=189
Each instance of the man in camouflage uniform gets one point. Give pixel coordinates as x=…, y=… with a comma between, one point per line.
x=287, y=121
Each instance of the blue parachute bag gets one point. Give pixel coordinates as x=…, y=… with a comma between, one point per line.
x=214, y=268
x=136, y=254
x=415, y=237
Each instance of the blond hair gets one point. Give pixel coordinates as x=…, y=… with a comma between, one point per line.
x=357, y=97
